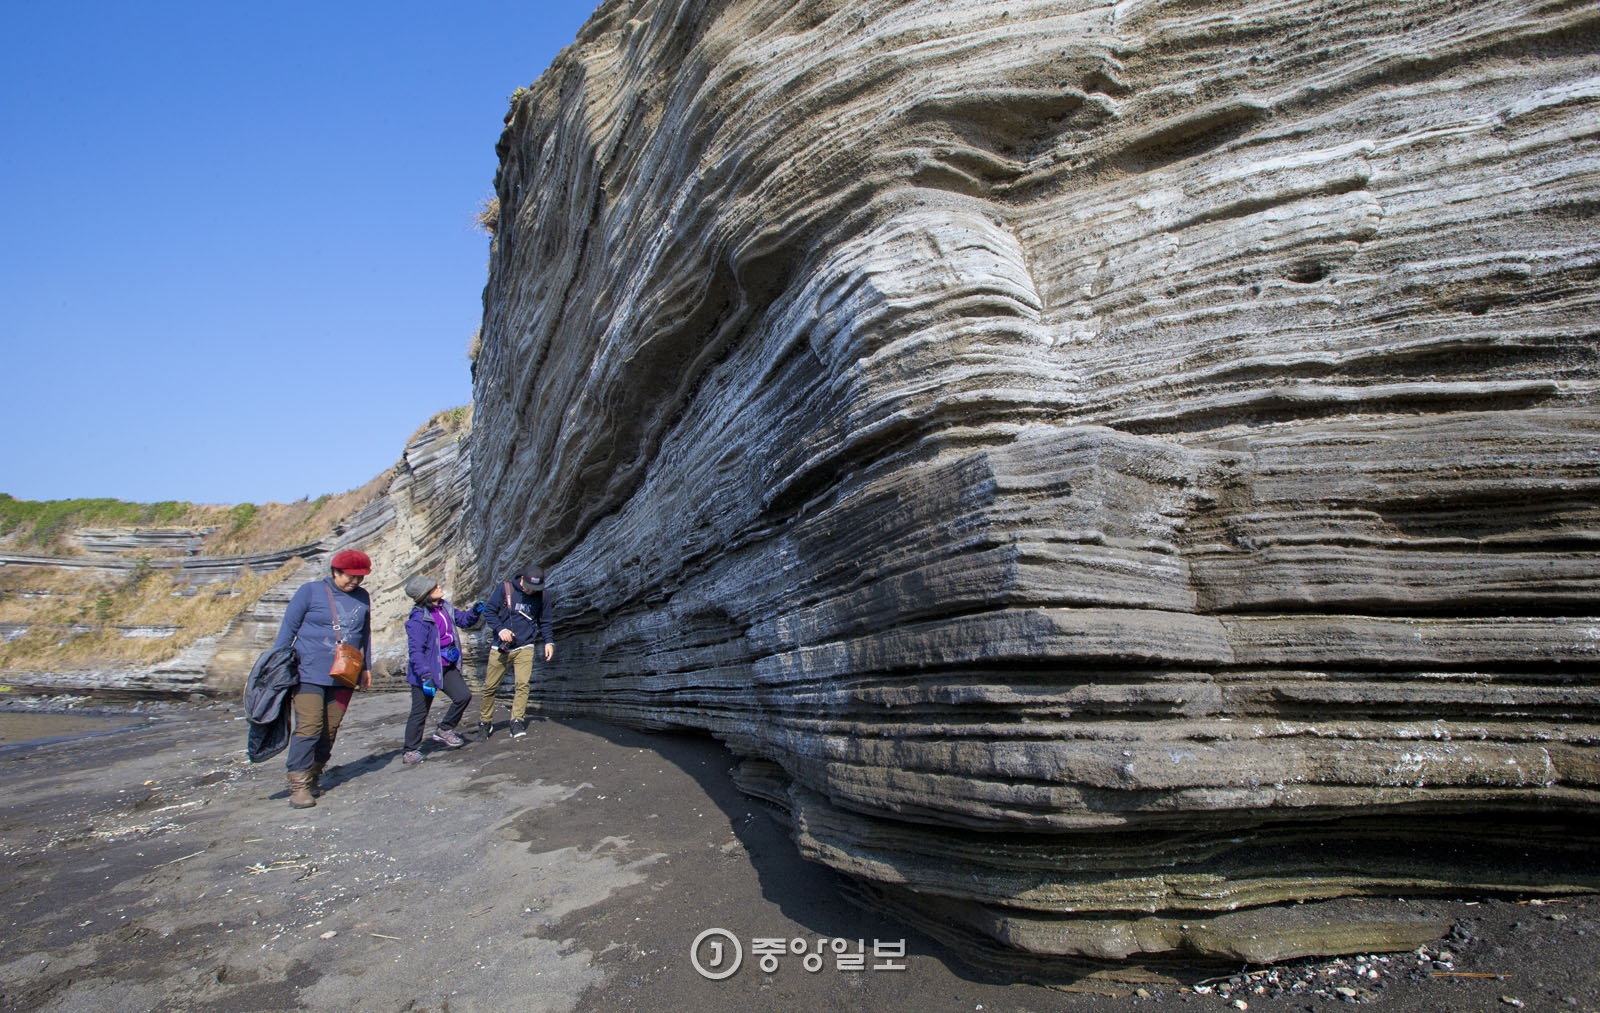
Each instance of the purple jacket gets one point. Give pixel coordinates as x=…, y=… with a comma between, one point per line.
x=424, y=663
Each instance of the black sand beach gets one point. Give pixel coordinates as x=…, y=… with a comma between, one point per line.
x=152, y=867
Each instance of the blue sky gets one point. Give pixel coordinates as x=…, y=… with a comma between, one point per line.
x=238, y=259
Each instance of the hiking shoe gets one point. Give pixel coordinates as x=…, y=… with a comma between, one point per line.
x=412, y=757
x=485, y=729
x=519, y=729
x=449, y=738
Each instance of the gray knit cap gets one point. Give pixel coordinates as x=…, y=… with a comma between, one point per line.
x=417, y=587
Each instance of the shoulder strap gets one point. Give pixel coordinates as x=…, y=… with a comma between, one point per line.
x=507, y=586
x=338, y=636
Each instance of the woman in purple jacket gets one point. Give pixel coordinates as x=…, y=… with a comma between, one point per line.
x=433, y=650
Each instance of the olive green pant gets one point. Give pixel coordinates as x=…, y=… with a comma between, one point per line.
x=521, y=677
x=318, y=711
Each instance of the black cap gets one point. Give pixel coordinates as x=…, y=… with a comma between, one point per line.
x=533, y=575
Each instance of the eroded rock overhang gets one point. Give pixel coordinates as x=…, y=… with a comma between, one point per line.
x=1125, y=474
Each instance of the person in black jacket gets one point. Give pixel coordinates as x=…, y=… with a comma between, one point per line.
x=517, y=616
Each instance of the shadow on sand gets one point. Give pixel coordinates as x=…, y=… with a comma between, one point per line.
x=809, y=894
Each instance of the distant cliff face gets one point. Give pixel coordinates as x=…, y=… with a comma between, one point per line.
x=159, y=610
x=1117, y=470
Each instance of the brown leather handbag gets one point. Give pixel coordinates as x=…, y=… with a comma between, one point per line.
x=348, y=663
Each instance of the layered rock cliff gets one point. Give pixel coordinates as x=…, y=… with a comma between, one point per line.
x=1124, y=473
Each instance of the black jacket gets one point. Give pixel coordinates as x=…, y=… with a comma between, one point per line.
x=527, y=616
x=273, y=680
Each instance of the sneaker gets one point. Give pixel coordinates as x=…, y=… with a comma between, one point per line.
x=449, y=738
x=485, y=729
x=519, y=729
x=412, y=757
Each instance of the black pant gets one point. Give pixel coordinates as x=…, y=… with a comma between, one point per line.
x=455, y=687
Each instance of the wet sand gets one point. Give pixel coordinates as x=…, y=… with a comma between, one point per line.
x=155, y=868
x=26, y=728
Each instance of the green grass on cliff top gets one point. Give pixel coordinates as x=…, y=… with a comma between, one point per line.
x=45, y=525
x=46, y=520
x=240, y=528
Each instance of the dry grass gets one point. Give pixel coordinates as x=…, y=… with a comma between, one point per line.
x=158, y=601
x=46, y=527
x=20, y=584
x=73, y=615
x=453, y=421
x=238, y=530
x=51, y=602
x=487, y=217
x=274, y=526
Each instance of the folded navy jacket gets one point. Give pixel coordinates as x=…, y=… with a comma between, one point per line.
x=273, y=680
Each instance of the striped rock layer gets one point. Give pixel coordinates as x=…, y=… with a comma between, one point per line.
x=1124, y=474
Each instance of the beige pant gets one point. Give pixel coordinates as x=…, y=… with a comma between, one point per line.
x=522, y=675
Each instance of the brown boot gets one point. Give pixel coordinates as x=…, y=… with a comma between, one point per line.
x=316, y=780
x=300, y=789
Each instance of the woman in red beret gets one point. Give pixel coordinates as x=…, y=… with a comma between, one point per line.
x=321, y=615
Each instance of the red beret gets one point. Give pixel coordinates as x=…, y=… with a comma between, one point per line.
x=351, y=561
